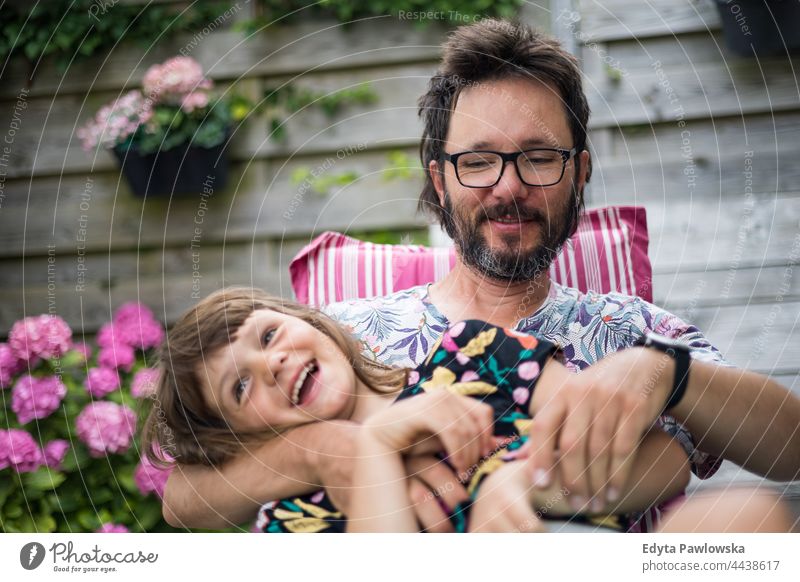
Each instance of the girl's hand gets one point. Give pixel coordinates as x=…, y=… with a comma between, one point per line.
x=458, y=425
x=504, y=503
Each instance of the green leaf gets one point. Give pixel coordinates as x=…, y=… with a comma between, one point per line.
x=43, y=479
x=45, y=524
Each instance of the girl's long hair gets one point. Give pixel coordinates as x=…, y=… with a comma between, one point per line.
x=181, y=426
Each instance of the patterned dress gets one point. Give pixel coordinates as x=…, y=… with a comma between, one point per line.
x=472, y=358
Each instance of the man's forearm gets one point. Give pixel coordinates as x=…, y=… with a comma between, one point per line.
x=744, y=417
x=289, y=464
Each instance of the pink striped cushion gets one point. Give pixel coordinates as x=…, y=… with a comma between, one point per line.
x=607, y=253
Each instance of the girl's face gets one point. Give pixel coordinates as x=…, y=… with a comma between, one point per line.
x=280, y=372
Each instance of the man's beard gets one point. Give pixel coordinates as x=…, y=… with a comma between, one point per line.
x=512, y=265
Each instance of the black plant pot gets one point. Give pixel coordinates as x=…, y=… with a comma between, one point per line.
x=764, y=27
x=181, y=171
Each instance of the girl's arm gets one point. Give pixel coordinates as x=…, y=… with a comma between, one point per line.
x=461, y=425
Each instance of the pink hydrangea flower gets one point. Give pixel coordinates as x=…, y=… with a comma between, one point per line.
x=19, y=451
x=106, y=336
x=135, y=325
x=106, y=427
x=101, y=381
x=194, y=100
x=144, y=382
x=113, y=528
x=45, y=336
x=10, y=365
x=54, y=453
x=149, y=478
x=114, y=123
x=36, y=397
x=117, y=355
x=172, y=79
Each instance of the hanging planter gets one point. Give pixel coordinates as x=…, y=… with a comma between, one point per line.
x=181, y=171
x=761, y=27
x=170, y=137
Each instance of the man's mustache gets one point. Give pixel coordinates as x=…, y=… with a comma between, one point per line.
x=514, y=212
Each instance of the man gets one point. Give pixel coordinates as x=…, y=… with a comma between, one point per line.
x=505, y=152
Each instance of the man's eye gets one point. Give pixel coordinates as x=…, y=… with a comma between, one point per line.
x=268, y=336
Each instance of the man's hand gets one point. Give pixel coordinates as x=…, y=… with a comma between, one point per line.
x=592, y=422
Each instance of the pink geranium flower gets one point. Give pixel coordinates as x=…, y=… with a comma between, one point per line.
x=106, y=427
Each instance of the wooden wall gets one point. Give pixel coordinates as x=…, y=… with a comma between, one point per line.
x=677, y=121
x=707, y=141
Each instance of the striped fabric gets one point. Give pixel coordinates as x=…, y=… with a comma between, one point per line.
x=607, y=253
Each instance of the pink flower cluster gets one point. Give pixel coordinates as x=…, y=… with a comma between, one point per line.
x=114, y=123
x=132, y=327
x=113, y=528
x=105, y=427
x=178, y=81
x=54, y=453
x=144, y=383
x=149, y=478
x=19, y=451
x=101, y=381
x=36, y=397
x=10, y=365
x=43, y=336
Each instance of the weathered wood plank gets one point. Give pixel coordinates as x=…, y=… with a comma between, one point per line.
x=717, y=234
x=623, y=19
x=688, y=290
x=654, y=94
x=228, y=55
x=763, y=337
x=700, y=175
x=261, y=200
x=715, y=138
x=47, y=144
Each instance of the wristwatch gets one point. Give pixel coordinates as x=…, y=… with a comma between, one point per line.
x=680, y=354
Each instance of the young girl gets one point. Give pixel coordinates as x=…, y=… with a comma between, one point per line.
x=241, y=367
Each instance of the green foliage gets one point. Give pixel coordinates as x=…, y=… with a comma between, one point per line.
x=322, y=183
x=401, y=167
x=72, y=30
x=280, y=102
x=418, y=11
x=393, y=237
x=205, y=127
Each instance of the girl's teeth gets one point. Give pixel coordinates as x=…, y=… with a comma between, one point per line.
x=310, y=368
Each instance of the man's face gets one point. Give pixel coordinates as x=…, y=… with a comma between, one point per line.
x=510, y=231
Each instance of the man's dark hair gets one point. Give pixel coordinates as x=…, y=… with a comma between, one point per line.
x=492, y=50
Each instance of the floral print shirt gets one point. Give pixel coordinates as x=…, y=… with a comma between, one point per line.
x=400, y=329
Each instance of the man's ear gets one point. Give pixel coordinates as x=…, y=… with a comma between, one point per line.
x=586, y=161
x=437, y=177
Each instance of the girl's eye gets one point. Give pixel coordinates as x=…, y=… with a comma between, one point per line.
x=238, y=390
x=268, y=336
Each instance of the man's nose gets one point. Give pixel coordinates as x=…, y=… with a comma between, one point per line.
x=510, y=186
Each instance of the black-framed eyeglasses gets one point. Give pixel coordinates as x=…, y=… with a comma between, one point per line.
x=536, y=167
